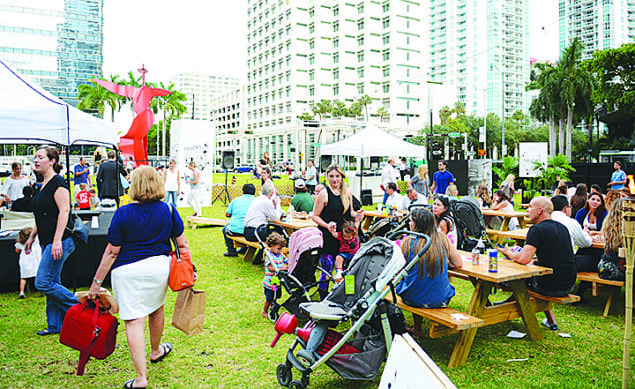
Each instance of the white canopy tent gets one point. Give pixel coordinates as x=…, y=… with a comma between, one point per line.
x=373, y=142
x=31, y=115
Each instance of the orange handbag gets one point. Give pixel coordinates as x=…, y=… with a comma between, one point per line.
x=181, y=270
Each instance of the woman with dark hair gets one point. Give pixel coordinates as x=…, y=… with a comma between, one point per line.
x=443, y=217
x=579, y=199
x=482, y=195
x=23, y=204
x=333, y=206
x=592, y=215
x=427, y=284
x=138, y=252
x=502, y=203
x=611, y=195
x=53, y=226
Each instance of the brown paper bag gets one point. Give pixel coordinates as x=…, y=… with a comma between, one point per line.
x=189, y=311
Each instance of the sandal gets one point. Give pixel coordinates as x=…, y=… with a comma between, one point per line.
x=129, y=384
x=167, y=348
x=415, y=334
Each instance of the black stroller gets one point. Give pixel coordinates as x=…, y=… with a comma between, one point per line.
x=299, y=281
x=359, y=352
x=470, y=226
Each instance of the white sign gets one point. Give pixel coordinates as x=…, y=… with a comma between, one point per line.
x=531, y=152
x=482, y=134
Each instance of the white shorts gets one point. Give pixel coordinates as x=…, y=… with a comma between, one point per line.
x=140, y=287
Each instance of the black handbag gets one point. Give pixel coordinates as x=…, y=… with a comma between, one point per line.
x=612, y=267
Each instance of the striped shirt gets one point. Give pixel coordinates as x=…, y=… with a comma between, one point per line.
x=279, y=261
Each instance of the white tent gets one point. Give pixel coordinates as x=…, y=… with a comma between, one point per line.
x=29, y=114
x=373, y=141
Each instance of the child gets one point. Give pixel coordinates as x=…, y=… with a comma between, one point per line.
x=275, y=242
x=28, y=262
x=94, y=200
x=83, y=197
x=349, y=244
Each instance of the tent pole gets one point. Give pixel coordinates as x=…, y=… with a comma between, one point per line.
x=68, y=167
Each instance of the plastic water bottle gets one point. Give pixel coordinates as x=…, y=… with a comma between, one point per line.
x=290, y=213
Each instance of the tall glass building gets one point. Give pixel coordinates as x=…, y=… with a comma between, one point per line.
x=56, y=43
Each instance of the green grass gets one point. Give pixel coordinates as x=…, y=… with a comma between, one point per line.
x=233, y=351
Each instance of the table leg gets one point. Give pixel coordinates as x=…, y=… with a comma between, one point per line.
x=519, y=287
x=505, y=226
x=463, y=344
x=249, y=255
x=367, y=221
x=521, y=222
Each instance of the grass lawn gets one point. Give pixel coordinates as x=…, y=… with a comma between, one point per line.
x=234, y=352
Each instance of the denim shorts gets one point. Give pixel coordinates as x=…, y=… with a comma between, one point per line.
x=269, y=293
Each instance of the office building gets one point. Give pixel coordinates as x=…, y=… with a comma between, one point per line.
x=199, y=88
x=481, y=48
x=302, y=52
x=599, y=24
x=57, y=44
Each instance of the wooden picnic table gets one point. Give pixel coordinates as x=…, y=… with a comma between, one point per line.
x=507, y=216
x=370, y=215
x=524, y=307
x=295, y=224
x=520, y=236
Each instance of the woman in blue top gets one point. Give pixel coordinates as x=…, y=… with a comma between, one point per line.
x=427, y=285
x=139, y=253
x=592, y=215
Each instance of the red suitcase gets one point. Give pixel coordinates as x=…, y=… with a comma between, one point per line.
x=91, y=330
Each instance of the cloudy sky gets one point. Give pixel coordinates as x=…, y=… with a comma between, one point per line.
x=170, y=38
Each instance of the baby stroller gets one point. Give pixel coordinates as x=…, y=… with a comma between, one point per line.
x=305, y=247
x=359, y=352
x=470, y=226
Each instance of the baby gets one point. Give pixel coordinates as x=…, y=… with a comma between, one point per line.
x=28, y=262
x=349, y=245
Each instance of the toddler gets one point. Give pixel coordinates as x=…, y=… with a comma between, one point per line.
x=28, y=262
x=349, y=245
x=275, y=242
x=94, y=200
x=83, y=197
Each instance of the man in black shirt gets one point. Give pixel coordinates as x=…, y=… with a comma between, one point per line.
x=550, y=241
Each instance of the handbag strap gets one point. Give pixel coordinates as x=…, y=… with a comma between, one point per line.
x=84, y=355
x=176, y=246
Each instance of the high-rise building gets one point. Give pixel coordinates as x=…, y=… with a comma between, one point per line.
x=301, y=52
x=481, y=48
x=199, y=89
x=599, y=24
x=56, y=43
x=227, y=118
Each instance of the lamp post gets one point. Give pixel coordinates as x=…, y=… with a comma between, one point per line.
x=430, y=108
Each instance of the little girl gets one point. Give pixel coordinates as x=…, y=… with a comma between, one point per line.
x=28, y=262
x=349, y=245
x=275, y=242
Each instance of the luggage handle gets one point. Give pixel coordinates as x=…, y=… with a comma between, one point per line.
x=84, y=355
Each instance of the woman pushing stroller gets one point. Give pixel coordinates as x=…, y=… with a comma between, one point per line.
x=427, y=284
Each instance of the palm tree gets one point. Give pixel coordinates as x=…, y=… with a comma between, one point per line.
x=172, y=106
x=459, y=108
x=547, y=106
x=444, y=115
x=355, y=110
x=93, y=97
x=322, y=108
x=382, y=112
x=364, y=102
x=338, y=108
x=304, y=116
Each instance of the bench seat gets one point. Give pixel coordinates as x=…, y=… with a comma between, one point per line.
x=252, y=247
x=442, y=317
x=568, y=299
x=600, y=285
x=193, y=221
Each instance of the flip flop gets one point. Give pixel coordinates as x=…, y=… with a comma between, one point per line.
x=167, y=348
x=129, y=385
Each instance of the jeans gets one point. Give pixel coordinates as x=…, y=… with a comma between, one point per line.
x=171, y=196
x=385, y=198
x=47, y=281
x=228, y=242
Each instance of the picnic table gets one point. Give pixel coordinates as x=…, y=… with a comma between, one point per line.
x=520, y=236
x=507, y=216
x=370, y=215
x=524, y=307
x=295, y=223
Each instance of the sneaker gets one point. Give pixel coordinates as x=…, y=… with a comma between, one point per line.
x=228, y=254
x=552, y=327
x=21, y=296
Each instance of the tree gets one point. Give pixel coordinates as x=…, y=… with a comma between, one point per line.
x=355, y=110
x=546, y=107
x=364, y=102
x=305, y=116
x=322, y=108
x=382, y=112
x=173, y=107
x=338, y=109
x=93, y=97
x=444, y=115
x=615, y=71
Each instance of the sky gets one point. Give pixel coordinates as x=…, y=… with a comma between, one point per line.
x=210, y=36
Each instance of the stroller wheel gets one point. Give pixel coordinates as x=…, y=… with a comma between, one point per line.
x=273, y=314
x=295, y=384
x=284, y=375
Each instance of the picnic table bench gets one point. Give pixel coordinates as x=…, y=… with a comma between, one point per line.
x=252, y=247
x=600, y=285
x=194, y=221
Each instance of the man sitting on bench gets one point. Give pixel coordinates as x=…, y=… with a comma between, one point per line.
x=264, y=207
x=236, y=213
x=547, y=239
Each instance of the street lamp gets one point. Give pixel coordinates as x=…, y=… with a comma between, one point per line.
x=430, y=108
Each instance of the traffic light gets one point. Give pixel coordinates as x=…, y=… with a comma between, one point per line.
x=301, y=155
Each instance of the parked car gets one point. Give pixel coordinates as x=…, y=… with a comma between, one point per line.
x=286, y=166
x=5, y=170
x=245, y=169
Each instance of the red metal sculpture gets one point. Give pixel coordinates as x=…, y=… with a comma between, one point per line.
x=135, y=142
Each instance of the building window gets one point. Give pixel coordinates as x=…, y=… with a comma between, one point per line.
x=386, y=22
x=360, y=89
x=386, y=71
x=385, y=87
x=386, y=55
x=360, y=72
x=386, y=6
x=385, y=39
x=336, y=74
x=360, y=56
x=360, y=25
x=336, y=27
x=360, y=9
x=311, y=91
x=336, y=58
x=336, y=43
x=360, y=41
x=336, y=11
x=336, y=90
x=311, y=28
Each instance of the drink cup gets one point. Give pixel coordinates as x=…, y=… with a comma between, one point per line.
x=493, y=260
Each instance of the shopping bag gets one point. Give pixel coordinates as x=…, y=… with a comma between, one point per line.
x=189, y=311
